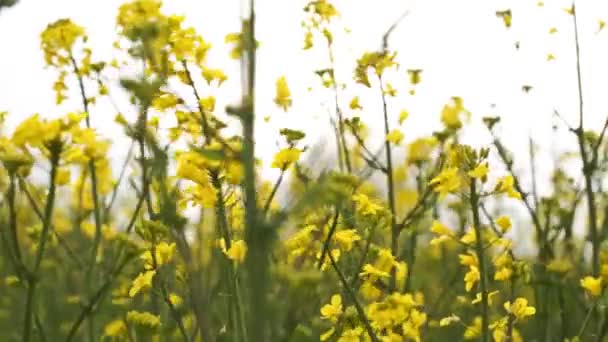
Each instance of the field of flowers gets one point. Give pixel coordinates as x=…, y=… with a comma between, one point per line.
x=92, y=252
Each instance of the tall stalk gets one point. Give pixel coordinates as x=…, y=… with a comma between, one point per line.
x=479, y=250
x=33, y=279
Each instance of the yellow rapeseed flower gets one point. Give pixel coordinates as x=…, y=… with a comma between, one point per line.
x=333, y=310
x=283, y=95
x=142, y=282
x=520, y=308
x=592, y=285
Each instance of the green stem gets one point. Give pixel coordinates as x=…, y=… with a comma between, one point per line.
x=391, y=187
x=55, y=149
x=353, y=298
x=479, y=249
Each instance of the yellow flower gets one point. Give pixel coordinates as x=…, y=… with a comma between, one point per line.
x=519, y=308
x=478, y=297
x=354, y=103
x=550, y=57
x=351, y=335
x=471, y=277
x=505, y=16
x=592, y=285
x=175, y=299
x=163, y=254
x=58, y=39
x=345, y=238
x=446, y=182
x=333, y=310
x=144, y=319
x=283, y=95
x=506, y=185
x=366, y=206
x=237, y=251
x=285, y=157
x=452, y=113
x=394, y=136
x=504, y=223
x=142, y=282
x=211, y=75
x=115, y=328
x=469, y=237
x=440, y=229
x=469, y=259
x=479, y=172
x=403, y=115
x=373, y=273
x=473, y=331
x=446, y=321
x=414, y=75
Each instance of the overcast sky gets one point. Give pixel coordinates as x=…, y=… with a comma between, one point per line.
x=463, y=49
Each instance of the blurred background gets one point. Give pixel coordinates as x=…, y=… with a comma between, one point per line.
x=462, y=47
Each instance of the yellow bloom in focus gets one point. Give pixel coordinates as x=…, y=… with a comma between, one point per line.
x=592, y=285
x=395, y=136
x=283, y=95
x=479, y=172
x=58, y=39
x=519, y=308
x=446, y=182
x=333, y=310
x=285, y=157
x=163, y=254
x=504, y=223
x=142, y=282
x=237, y=251
x=471, y=278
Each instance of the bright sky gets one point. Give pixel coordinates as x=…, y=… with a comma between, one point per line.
x=462, y=47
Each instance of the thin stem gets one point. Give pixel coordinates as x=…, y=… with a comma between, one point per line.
x=479, y=249
x=391, y=187
x=353, y=298
x=325, y=249
x=275, y=188
x=88, y=309
x=44, y=235
x=588, y=168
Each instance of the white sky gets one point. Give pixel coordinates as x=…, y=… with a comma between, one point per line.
x=462, y=47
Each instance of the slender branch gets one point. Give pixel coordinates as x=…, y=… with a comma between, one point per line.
x=353, y=298
x=479, y=250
